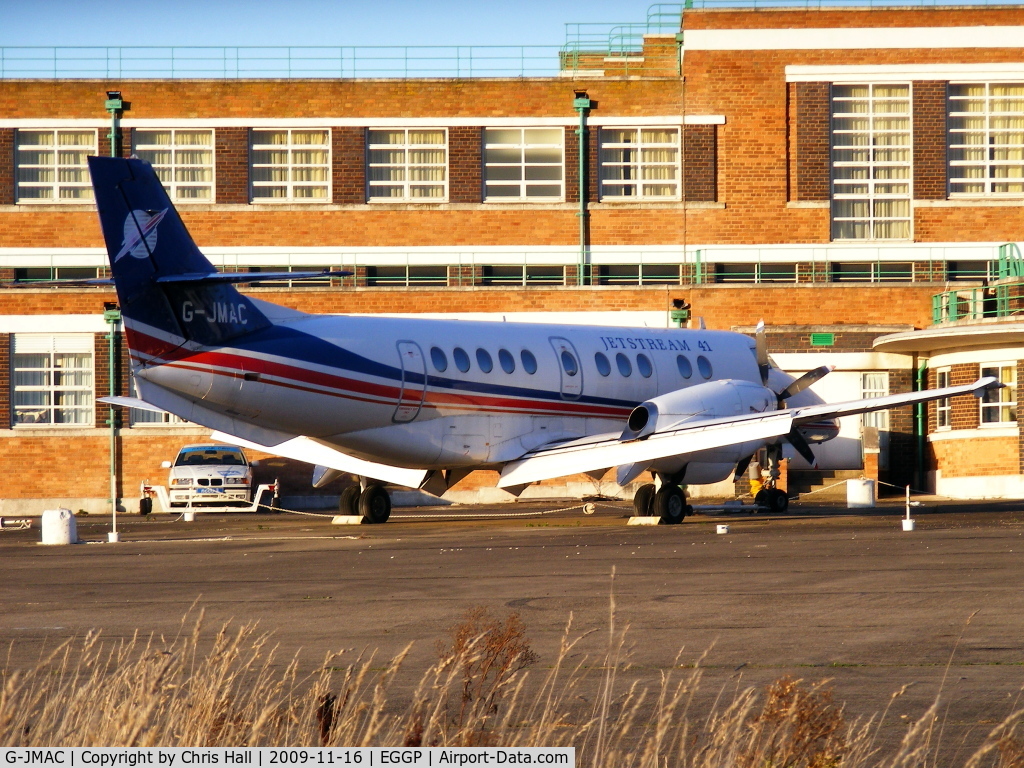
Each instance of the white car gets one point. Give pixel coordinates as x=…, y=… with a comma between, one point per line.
x=210, y=474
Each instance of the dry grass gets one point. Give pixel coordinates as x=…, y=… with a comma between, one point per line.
x=230, y=690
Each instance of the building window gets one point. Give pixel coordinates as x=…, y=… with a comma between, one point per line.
x=139, y=417
x=523, y=164
x=519, y=274
x=27, y=274
x=291, y=165
x=755, y=273
x=875, y=385
x=52, y=166
x=408, y=275
x=638, y=274
x=972, y=270
x=408, y=165
x=311, y=282
x=871, y=162
x=999, y=406
x=871, y=271
x=986, y=139
x=943, y=407
x=182, y=159
x=52, y=379
x=640, y=164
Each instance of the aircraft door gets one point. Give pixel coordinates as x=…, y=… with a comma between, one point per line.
x=414, y=382
x=569, y=368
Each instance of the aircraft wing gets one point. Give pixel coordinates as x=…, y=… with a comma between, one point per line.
x=610, y=450
x=312, y=451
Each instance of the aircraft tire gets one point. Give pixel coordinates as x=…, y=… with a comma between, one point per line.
x=375, y=504
x=778, y=501
x=670, y=504
x=643, y=500
x=348, y=504
x=761, y=499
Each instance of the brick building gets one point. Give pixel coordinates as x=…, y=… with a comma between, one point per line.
x=839, y=172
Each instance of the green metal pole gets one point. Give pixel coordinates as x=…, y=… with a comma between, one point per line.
x=582, y=104
x=113, y=316
x=919, y=425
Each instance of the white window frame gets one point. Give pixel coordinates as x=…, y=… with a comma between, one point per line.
x=290, y=166
x=989, y=133
x=172, y=185
x=55, y=185
x=875, y=384
x=524, y=145
x=52, y=345
x=872, y=189
x=943, y=406
x=639, y=165
x=1003, y=401
x=406, y=168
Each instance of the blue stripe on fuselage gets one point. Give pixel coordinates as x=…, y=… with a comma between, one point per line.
x=301, y=347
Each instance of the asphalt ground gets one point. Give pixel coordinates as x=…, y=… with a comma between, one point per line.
x=820, y=593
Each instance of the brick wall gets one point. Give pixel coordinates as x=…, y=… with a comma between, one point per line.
x=465, y=164
x=700, y=163
x=978, y=457
x=965, y=410
x=348, y=155
x=929, y=126
x=902, y=441
x=810, y=142
x=572, y=165
x=5, y=380
x=232, y=158
x=7, y=166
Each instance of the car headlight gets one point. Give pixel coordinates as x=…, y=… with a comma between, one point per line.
x=181, y=481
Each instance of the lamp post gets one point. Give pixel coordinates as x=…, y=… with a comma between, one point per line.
x=115, y=106
x=582, y=103
x=112, y=316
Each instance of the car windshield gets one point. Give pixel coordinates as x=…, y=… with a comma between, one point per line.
x=191, y=457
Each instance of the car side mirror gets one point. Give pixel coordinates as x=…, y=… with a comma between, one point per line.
x=254, y=463
x=165, y=465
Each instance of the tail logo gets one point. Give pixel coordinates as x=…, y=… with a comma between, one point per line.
x=140, y=238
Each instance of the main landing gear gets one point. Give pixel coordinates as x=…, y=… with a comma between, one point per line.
x=667, y=502
x=770, y=497
x=369, y=500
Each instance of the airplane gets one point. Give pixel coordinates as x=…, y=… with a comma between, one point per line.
x=421, y=403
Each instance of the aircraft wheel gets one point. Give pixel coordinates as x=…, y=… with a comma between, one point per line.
x=642, y=500
x=670, y=504
x=348, y=504
x=778, y=501
x=761, y=499
x=375, y=504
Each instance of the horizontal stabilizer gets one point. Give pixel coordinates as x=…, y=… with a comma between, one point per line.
x=131, y=402
x=313, y=451
x=97, y=282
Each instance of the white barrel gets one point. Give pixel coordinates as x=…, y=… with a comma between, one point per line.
x=860, y=493
x=59, y=527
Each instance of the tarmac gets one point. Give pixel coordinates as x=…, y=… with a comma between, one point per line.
x=819, y=593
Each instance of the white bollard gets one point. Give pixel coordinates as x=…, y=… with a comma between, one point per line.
x=723, y=528
x=189, y=516
x=59, y=527
x=860, y=493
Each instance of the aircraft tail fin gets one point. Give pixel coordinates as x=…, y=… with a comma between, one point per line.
x=165, y=285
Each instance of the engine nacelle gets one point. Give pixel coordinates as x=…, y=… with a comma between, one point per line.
x=713, y=400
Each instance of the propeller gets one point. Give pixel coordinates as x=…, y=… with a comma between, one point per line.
x=795, y=438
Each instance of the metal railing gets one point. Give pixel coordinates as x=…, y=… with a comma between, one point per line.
x=261, y=62
x=618, y=39
x=1006, y=300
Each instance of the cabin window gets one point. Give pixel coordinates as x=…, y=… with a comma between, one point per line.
x=461, y=359
x=569, y=363
x=683, y=364
x=704, y=366
x=439, y=359
x=506, y=361
x=529, y=361
x=623, y=364
x=483, y=359
x=643, y=364
x=603, y=366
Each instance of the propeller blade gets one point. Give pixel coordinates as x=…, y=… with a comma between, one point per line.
x=761, y=349
x=741, y=468
x=805, y=381
x=800, y=444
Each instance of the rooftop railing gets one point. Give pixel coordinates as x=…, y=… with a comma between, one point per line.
x=818, y=4
x=617, y=39
x=255, y=62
